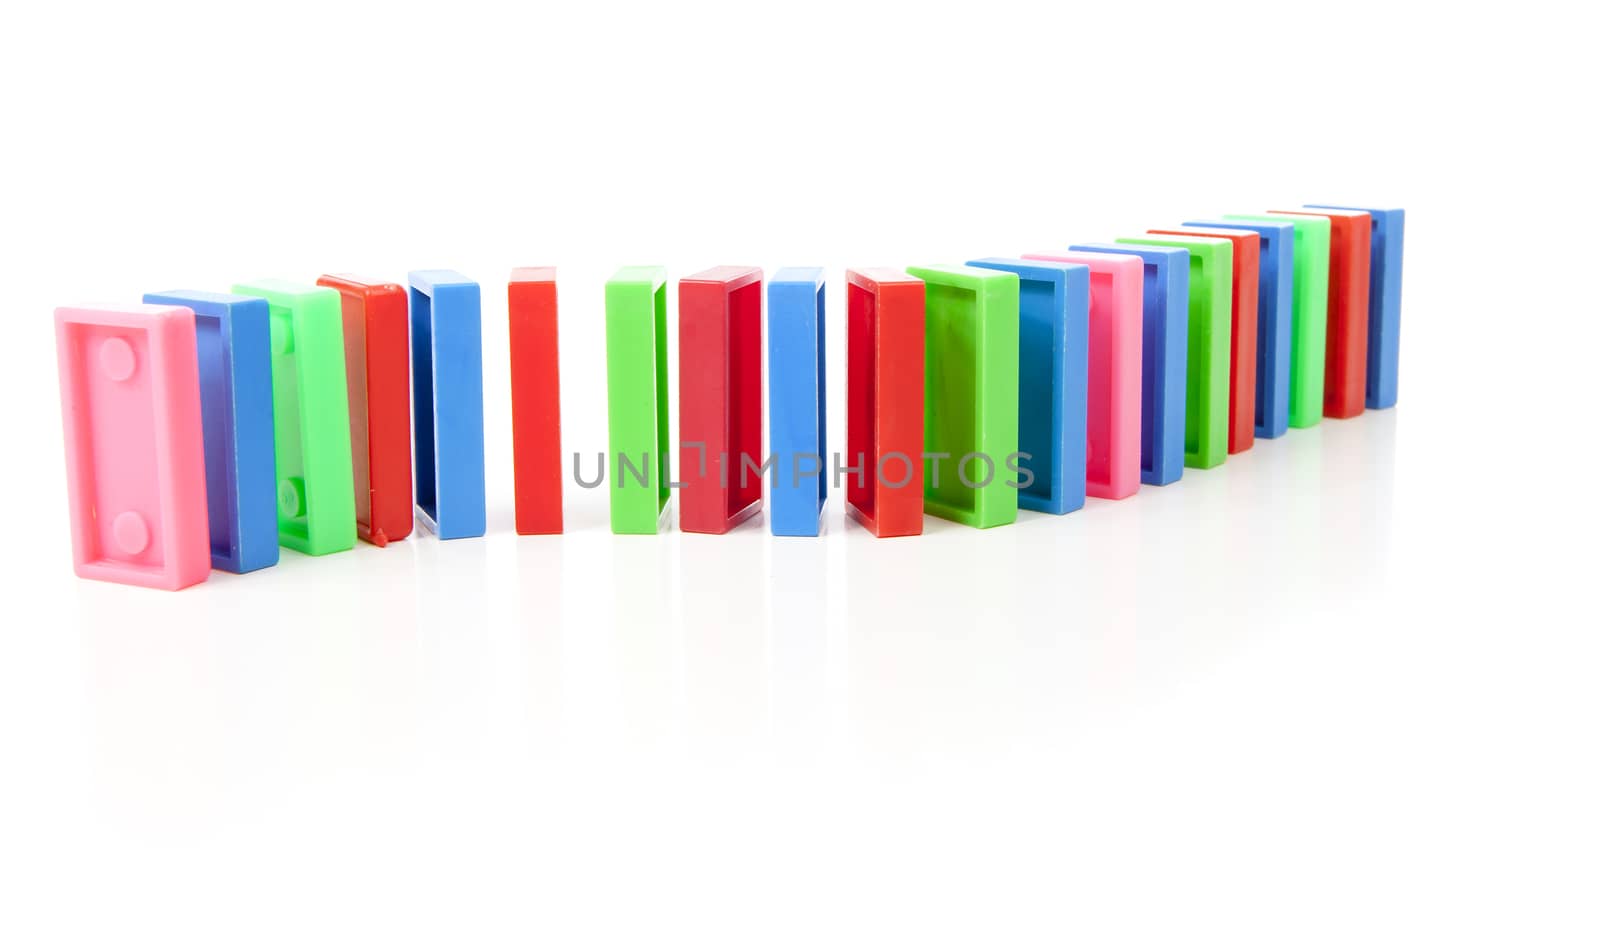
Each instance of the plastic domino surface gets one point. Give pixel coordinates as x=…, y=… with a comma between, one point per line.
x=130, y=411
x=233, y=346
x=636, y=399
x=1383, y=303
x=1274, y=318
x=377, y=371
x=970, y=394
x=1243, y=393
x=311, y=417
x=1344, y=388
x=1052, y=380
x=1165, y=357
x=535, y=399
x=1310, y=325
x=1116, y=340
x=719, y=398
x=1206, y=410
x=797, y=400
x=447, y=402
x=885, y=387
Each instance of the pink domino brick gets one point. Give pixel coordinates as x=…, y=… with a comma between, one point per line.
x=1116, y=336
x=136, y=469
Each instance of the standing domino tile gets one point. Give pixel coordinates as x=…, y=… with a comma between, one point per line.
x=447, y=403
x=1052, y=380
x=310, y=417
x=970, y=394
x=636, y=399
x=535, y=399
x=1165, y=362
x=1383, y=303
x=233, y=346
x=136, y=471
x=1116, y=341
x=1206, y=409
x=719, y=398
x=1274, y=318
x=377, y=371
x=885, y=386
x=1344, y=390
x=1310, y=325
x=797, y=400
x=1243, y=393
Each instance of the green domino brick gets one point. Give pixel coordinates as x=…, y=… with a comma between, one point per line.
x=1205, y=422
x=310, y=417
x=1308, y=345
x=970, y=399
x=636, y=398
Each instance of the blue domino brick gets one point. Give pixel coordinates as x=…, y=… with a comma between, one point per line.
x=447, y=402
x=1165, y=370
x=1274, y=320
x=233, y=341
x=797, y=400
x=1052, y=380
x=1383, y=304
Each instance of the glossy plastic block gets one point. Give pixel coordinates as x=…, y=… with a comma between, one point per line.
x=719, y=398
x=1205, y=427
x=1116, y=340
x=1165, y=357
x=1244, y=302
x=1310, y=324
x=136, y=470
x=1383, y=303
x=310, y=417
x=535, y=399
x=885, y=385
x=970, y=394
x=1344, y=387
x=1274, y=318
x=233, y=347
x=797, y=400
x=636, y=398
x=377, y=371
x=1052, y=380
x=447, y=402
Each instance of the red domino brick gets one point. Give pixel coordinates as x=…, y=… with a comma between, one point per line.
x=535, y=400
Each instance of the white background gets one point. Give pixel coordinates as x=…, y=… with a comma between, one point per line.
x=1346, y=680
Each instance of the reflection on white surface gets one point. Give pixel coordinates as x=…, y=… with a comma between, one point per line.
x=726, y=650
x=1233, y=654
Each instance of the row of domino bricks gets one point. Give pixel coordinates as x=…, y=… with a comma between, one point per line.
x=207, y=430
